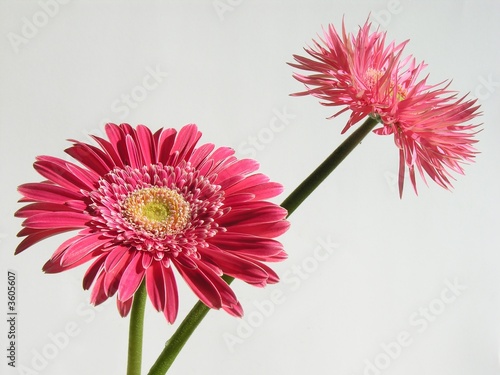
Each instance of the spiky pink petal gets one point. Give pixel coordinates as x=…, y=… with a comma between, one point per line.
x=364, y=74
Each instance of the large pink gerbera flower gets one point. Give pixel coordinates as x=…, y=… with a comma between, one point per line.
x=146, y=204
x=363, y=74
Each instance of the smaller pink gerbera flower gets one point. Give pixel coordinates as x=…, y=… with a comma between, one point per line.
x=363, y=74
x=147, y=203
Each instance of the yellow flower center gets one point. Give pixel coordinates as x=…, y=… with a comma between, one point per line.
x=372, y=78
x=157, y=210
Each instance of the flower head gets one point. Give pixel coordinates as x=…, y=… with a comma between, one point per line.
x=147, y=203
x=368, y=76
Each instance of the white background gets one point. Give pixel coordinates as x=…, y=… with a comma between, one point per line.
x=224, y=68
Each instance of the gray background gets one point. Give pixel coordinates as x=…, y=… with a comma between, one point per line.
x=222, y=65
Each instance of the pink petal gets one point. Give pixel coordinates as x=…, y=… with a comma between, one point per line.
x=81, y=248
x=117, y=256
x=131, y=278
x=201, y=285
x=220, y=156
x=155, y=286
x=269, y=230
x=240, y=167
x=92, y=157
x=145, y=144
x=61, y=249
x=53, y=265
x=201, y=154
x=147, y=260
x=87, y=178
x=114, y=272
x=110, y=151
x=264, y=249
x=36, y=208
x=184, y=144
x=172, y=296
x=53, y=220
x=257, y=184
x=56, y=170
x=234, y=310
x=37, y=236
x=228, y=297
x=134, y=156
x=124, y=307
x=91, y=273
x=97, y=295
x=237, y=267
x=253, y=213
x=186, y=262
x=117, y=135
x=236, y=199
x=47, y=192
x=166, y=139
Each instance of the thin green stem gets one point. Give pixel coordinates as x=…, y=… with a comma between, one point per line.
x=181, y=335
x=200, y=310
x=136, y=332
x=324, y=169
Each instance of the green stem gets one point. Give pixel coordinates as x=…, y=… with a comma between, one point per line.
x=198, y=312
x=136, y=331
x=331, y=162
x=181, y=335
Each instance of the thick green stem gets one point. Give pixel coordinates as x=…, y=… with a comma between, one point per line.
x=198, y=312
x=136, y=331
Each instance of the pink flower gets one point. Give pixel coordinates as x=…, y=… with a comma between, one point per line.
x=146, y=204
x=362, y=74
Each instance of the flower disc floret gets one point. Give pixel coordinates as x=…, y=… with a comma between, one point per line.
x=159, y=211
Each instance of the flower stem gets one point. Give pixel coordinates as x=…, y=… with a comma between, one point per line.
x=181, y=335
x=198, y=312
x=324, y=169
x=135, y=331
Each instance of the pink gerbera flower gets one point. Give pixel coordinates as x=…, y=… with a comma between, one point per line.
x=146, y=204
x=363, y=74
